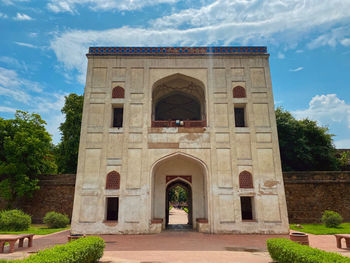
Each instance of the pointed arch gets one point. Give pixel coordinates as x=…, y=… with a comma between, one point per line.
x=113, y=180
x=245, y=180
x=239, y=92
x=178, y=97
x=118, y=93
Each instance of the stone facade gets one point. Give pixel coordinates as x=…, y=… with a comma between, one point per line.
x=156, y=113
x=308, y=194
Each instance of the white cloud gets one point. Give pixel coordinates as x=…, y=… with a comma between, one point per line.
x=329, y=110
x=339, y=35
x=70, y=6
x=31, y=97
x=345, y=42
x=25, y=44
x=22, y=17
x=2, y=15
x=14, y=63
x=7, y=109
x=13, y=2
x=326, y=108
x=280, y=55
x=224, y=21
x=296, y=69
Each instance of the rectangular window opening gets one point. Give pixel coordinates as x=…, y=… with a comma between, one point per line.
x=112, y=208
x=247, y=208
x=240, y=117
x=118, y=117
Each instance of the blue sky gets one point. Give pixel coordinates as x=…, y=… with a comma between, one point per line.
x=43, y=46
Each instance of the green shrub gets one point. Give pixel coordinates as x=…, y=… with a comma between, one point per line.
x=331, y=218
x=14, y=220
x=82, y=250
x=56, y=220
x=286, y=251
x=186, y=209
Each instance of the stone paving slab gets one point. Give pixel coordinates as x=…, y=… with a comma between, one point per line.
x=176, y=247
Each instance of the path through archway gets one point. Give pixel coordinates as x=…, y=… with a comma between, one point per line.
x=178, y=205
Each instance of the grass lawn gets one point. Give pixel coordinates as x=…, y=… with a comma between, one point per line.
x=319, y=229
x=37, y=229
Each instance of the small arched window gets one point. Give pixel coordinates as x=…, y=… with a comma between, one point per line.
x=118, y=93
x=113, y=180
x=245, y=180
x=239, y=92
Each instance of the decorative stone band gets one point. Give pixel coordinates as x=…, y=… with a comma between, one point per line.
x=177, y=51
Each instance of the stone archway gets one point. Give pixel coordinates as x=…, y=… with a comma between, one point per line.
x=185, y=185
x=184, y=169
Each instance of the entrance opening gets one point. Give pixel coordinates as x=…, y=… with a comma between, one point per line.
x=112, y=208
x=178, y=206
x=247, y=208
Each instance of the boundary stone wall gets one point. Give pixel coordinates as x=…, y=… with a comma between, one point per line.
x=56, y=193
x=308, y=194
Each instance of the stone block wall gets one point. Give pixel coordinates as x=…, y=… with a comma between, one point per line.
x=308, y=194
x=56, y=194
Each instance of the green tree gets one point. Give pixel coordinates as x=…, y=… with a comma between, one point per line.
x=25, y=152
x=304, y=146
x=67, y=150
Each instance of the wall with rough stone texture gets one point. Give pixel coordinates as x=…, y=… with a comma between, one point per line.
x=56, y=194
x=308, y=194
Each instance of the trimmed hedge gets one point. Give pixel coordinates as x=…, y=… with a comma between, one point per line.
x=14, y=220
x=82, y=250
x=286, y=251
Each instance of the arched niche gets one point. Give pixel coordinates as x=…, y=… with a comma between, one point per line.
x=245, y=180
x=239, y=92
x=113, y=180
x=118, y=93
x=178, y=97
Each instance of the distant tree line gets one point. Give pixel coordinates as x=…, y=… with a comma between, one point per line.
x=26, y=148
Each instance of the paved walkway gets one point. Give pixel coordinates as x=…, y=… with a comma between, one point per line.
x=177, y=216
x=176, y=247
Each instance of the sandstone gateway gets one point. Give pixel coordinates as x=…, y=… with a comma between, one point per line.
x=199, y=117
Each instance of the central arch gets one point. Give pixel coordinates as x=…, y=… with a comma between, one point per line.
x=187, y=187
x=184, y=169
x=178, y=97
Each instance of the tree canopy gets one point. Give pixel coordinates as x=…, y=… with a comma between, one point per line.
x=25, y=152
x=304, y=146
x=67, y=150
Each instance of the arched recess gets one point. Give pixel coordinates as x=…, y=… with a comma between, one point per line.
x=245, y=180
x=188, y=188
x=118, y=93
x=239, y=92
x=113, y=180
x=179, y=166
x=178, y=97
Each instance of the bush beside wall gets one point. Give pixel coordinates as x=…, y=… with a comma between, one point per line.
x=286, y=251
x=14, y=220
